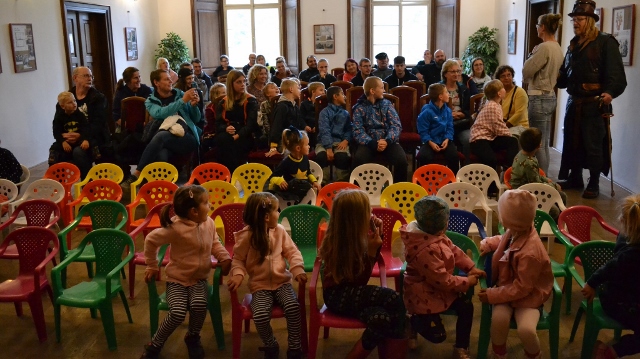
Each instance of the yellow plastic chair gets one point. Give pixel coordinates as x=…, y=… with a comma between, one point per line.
x=155, y=171
x=220, y=192
x=100, y=171
x=402, y=196
x=251, y=178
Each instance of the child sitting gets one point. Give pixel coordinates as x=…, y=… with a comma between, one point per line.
x=435, y=127
x=619, y=290
x=262, y=250
x=489, y=133
x=292, y=179
x=209, y=132
x=67, y=120
x=430, y=287
x=193, y=239
x=334, y=135
x=308, y=110
x=286, y=113
x=521, y=274
x=265, y=112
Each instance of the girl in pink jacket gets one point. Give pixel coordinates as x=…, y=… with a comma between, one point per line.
x=430, y=287
x=193, y=239
x=262, y=251
x=521, y=274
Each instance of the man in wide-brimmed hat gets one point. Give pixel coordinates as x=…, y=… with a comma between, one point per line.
x=593, y=75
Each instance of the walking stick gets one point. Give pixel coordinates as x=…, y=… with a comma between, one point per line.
x=607, y=113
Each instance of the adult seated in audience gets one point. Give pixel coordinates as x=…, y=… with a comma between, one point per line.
x=9, y=166
x=200, y=84
x=382, y=69
x=236, y=122
x=323, y=74
x=376, y=129
x=489, y=133
x=262, y=61
x=201, y=77
x=399, y=74
x=427, y=58
x=163, y=64
x=252, y=61
x=220, y=73
x=281, y=72
x=478, y=74
x=311, y=71
x=350, y=69
x=285, y=114
x=165, y=102
x=515, y=102
x=465, y=79
x=258, y=78
x=186, y=81
x=430, y=73
x=459, y=97
x=363, y=73
x=129, y=85
x=68, y=119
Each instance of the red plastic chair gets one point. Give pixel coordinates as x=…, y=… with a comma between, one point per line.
x=328, y=192
x=32, y=244
x=95, y=190
x=575, y=223
x=209, y=172
x=67, y=174
x=38, y=213
x=151, y=194
x=322, y=317
x=432, y=177
x=394, y=265
x=231, y=216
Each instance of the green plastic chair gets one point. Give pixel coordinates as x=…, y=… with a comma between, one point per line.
x=109, y=245
x=593, y=255
x=103, y=214
x=305, y=221
x=158, y=302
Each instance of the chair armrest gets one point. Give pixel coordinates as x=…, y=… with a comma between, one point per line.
x=383, y=271
x=40, y=269
x=72, y=205
x=123, y=222
x=609, y=228
x=9, y=220
x=556, y=303
x=56, y=278
x=65, y=231
x=572, y=239
x=572, y=269
x=131, y=209
x=14, y=204
x=134, y=186
x=77, y=187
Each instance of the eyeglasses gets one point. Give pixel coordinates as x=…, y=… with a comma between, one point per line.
x=87, y=76
x=538, y=25
x=578, y=19
x=455, y=72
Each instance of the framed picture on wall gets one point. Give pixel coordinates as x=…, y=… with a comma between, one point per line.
x=600, y=12
x=623, y=25
x=324, y=39
x=22, y=47
x=512, y=33
x=131, y=38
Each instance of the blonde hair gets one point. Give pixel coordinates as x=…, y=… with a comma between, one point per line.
x=344, y=248
x=159, y=60
x=64, y=97
x=551, y=22
x=630, y=218
x=232, y=96
x=257, y=207
x=314, y=86
x=591, y=31
x=446, y=66
x=213, y=93
x=370, y=83
x=287, y=84
x=267, y=87
x=492, y=88
x=254, y=72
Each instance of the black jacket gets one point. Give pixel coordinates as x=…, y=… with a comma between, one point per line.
x=619, y=273
x=285, y=114
x=394, y=81
x=243, y=117
x=98, y=133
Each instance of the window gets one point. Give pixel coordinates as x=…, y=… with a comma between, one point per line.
x=401, y=28
x=252, y=26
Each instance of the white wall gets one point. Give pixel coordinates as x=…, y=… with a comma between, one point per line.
x=474, y=14
x=324, y=12
x=174, y=16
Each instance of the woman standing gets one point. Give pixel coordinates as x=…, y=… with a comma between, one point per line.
x=478, y=74
x=350, y=69
x=163, y=64
x=258, y=78
x=541, y=71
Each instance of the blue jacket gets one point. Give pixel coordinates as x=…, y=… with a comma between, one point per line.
x=373, y=122
x=435, y=124
x=334, y=126
x=190, y=114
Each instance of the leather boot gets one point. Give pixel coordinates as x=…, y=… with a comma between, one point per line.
x=393, y=348
x=358, y=351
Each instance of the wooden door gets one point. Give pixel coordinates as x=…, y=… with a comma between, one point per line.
x=445, y=26
x=72, y=38
x=358, y=19
x=206, y=33
x=291, y=35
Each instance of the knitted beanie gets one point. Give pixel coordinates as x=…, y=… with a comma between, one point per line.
x=432, y=214
x=517, y=209
x=184, y=72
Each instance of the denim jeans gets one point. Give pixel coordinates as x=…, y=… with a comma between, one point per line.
x=541, y=109
x=164, y=144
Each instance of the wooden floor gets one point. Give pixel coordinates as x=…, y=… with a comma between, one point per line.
x=83, y=337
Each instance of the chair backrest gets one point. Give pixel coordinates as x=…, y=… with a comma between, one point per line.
x=26, y=174
x=45, y=189
x=480, y=176
x=39, y=212
x=464, y=196
x=316, y=170
x=424, y=99
x=101, y=189
x=421, y=87
x=320, y=104
x=328, y=192
x=390, y=217
x=155, y=211
x=101, y=171
x=432, y=177
x=344, y=85
x=231, y=216
x=353, y=94
x=133, y=114
x=474, y=102
x=575, y=222
x=407, y=106
x=156, y=192
x=304, y=94
x=304, y=220
x=394, y=100
x=66, y=173
x=210, y=171
x=220, y=192
x=251, y=177
x=159, y=171
x=32, y=244
x=109, y=244
x=105, y=214
x=507, y=177
x=9, y=190
x=546, y=196
x=371, y=178
x=337, y=71
x=466, y=244
x=402, y=197
x=460, y=221
x=592, y=255
x=385, y=84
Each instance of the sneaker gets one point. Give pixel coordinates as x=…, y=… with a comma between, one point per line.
x=270, y=352
x=603, y=351
x=294, y=354
x=126, y=184
x=150, y=351
x=591, y=192
x=460, y=353
x=194, y=346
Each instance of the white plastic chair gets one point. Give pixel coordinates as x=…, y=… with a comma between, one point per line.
x=39, y=189
x=546, y=196
x=309, y=198
x=26, y=174
x=465, y=196
x=9, y=190
x=316, y=170
x=372, y=178
x=482, y=176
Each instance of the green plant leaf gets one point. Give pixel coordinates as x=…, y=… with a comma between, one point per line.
x=174, y=49
x=484, y=44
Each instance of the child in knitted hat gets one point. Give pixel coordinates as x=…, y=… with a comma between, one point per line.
x=521, y=274
x=430, y=287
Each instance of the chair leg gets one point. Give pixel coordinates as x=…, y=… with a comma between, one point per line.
x=576, y=322
x=314, y=331
x=18, y=306
x=94, y=313
x=485, y=328
x=215, y=310
x=132, y=279
x=126, y=305
x=567, y=291
x=590, y=335
x=124, y=276
x=56, y=316
x=50, y=293
x=90, y=269
x=246, y=325
x=35, y=303
x=325, y=334
x=154, y=315
x=236, y=334
x=554, y=338
x=106, y=313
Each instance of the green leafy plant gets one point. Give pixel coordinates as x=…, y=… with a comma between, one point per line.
x=483, y=43
x=174, y=49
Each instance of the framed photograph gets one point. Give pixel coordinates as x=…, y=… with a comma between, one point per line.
x=24, y=52
x=623, y=25
x=131, y=38
x=512, y=33
x=600, y=12
x=324, y=39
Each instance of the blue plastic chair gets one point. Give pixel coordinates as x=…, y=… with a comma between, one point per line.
x=460, y=221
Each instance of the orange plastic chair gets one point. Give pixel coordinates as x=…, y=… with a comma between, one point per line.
x=151, y=194
x=328, y=192
x=507, y=176
x=67, y=174
x=93, y=191
x=432, y=177
x=209, y=172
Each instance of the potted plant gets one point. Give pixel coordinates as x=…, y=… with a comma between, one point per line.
x=483, y=43
x=174, y=49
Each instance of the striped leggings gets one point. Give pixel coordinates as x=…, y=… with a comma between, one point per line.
x=182, y=299
x=261, y=305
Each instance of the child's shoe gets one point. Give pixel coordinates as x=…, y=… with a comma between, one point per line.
x=150, y=352
x=294, y=354
x=126, y=184
x=603, y=351
x=194, y=346
x=270, y=352
x=460, y=353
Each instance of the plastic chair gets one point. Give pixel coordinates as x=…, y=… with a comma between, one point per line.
x=109, y=245
x=391, y=219
x=44, y=189
x=546, y=196
x=328, y=192
x=371, y=178
x=482, y=176
x=402, y=197
x=575, y=223
x=305, y=220
x=26, y=174
x=32, y=244
x=153, y=172
x=309, y=199
x=316, y=170
x=460, y=221
x=432, y=177
x=322, y=317
x=67, y=174
x=37, y=213
x=151, y=194
x=95, y=190
x=465, y=196
x=220, y=192
x=593, y=255
x=231, y=216
x=9, y=190
x=507, y=176
x=251, y=178
x=101, y=171
x=209, y=172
